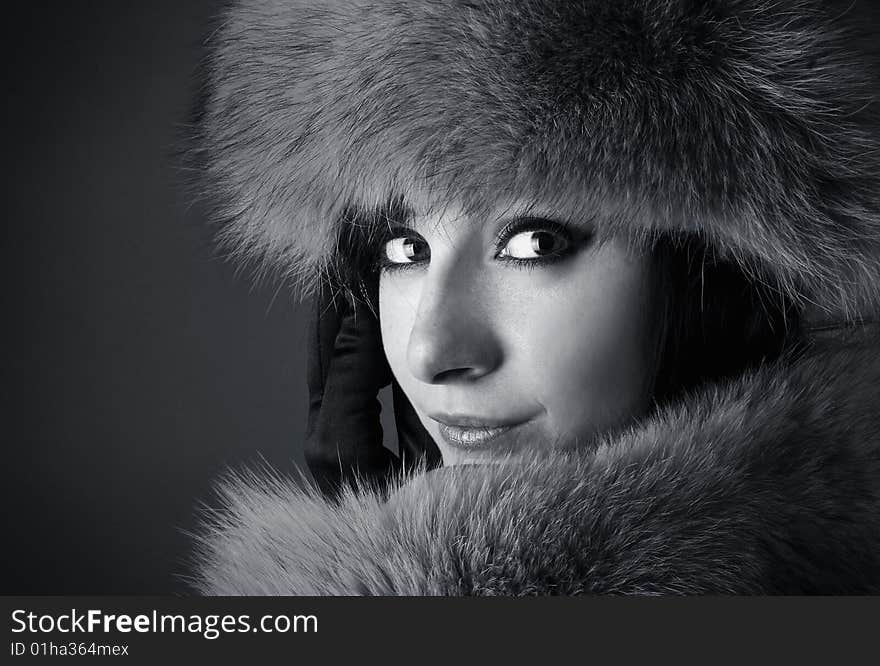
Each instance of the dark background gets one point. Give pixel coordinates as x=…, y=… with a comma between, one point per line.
x=138, y=364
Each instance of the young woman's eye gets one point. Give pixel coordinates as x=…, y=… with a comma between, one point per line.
x=534, y=244
x=405, y=250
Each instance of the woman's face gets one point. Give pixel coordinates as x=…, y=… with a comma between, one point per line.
x=516, y=333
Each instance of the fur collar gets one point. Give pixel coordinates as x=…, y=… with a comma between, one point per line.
x=768, y=484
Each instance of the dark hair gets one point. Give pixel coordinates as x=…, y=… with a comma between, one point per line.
x=714, y=321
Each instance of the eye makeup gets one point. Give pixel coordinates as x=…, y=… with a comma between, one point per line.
x=397, y=244
x=552, y=241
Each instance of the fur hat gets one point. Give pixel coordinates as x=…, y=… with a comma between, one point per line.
x=750, y=122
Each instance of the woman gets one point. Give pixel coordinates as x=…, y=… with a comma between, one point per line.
x=625, y=257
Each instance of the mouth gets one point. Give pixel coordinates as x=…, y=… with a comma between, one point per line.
x=471, y=433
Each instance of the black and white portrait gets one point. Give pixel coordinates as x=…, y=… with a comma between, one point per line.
x=618, y=262
x=450, y=297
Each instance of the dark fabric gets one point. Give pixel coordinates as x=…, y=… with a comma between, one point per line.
x=346, y=371
x=413, y=440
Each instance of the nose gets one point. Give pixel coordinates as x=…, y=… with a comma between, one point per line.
x=453, y=338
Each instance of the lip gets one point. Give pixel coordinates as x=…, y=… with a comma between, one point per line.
x=471, y=432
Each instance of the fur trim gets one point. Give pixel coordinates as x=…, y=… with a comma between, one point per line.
x=749, y=121
x=770, y=484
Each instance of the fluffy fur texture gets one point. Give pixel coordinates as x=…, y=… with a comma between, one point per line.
x=749, y=122
x=768, y=485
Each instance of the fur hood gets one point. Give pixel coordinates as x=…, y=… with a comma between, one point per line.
x=749, y=122
x=752, y=122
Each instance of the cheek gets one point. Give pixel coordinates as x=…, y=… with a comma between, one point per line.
x=589, y=343
x=397, y=311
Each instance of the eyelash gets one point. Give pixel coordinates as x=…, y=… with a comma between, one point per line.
x=383, y=264
x=517, y=226
x=534, y=224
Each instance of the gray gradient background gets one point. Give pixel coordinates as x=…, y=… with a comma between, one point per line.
x=137, y=363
